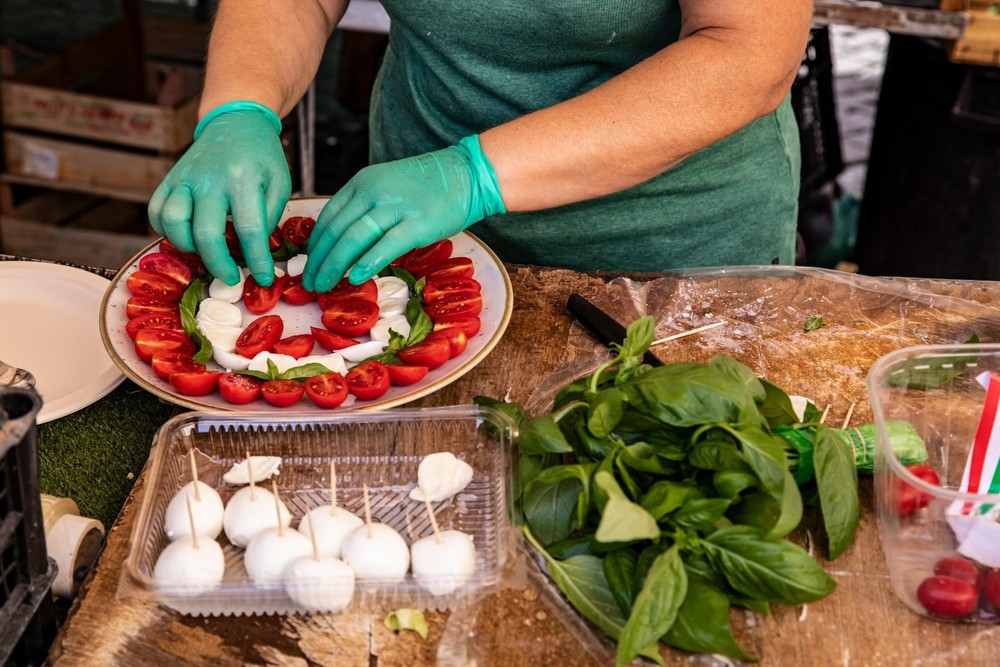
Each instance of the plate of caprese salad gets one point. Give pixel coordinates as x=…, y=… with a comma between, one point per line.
x=421, y=324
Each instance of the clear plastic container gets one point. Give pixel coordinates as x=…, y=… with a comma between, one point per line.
x=380, y=449
x=932, y=531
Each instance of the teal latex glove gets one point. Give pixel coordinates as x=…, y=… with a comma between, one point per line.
x=388, y=209
x=235, y=165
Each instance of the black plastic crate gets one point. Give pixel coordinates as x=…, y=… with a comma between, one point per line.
x=27, y=615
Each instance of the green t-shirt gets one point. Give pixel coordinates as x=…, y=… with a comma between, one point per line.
x=458, y=68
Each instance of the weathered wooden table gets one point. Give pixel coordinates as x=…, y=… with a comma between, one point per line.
x=860, y=623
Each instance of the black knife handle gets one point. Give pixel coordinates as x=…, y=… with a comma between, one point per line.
x=604, y=327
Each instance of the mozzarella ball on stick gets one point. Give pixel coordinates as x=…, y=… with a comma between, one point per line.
x=443, y=561
x=329, y=524
x=190, y=565
x=319, y=583
x=375, y=550
x=439, y=476
x=250, y=511
x=272, y=550
x=206, y=506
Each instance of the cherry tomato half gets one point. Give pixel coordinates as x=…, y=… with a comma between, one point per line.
x=439, y=287
x=282, y=393
x=947, y=596
x=327, y=390
x=239, y=389
x=198, y=383
x=466, y=303
x=260, y=335
x=168, y=265
x=456, y=340
x=453, y=267
x=959, y=568
x=367, y=290
x=927, y=474
x=369, y=380
x=162, y=320
x=192, y=260
x=469, y=325
x=350, y=316
x=151, y=340
x=330, y=340
x=991, y=588
x=136, y=306
x=295, y=346
x=258, y=300
x=298, y=230
x=431, y=352
x=294, y=293
x=402, y=375
x=166, y=363
x=154, y=286
x=275, y=240
x=418, y=258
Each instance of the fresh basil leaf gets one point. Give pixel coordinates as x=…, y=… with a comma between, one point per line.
x=585, y=444
x=790, y=512
x=541, y=435
x=403, y=275
x=607, y=465
x=621, y=519
x=801, y=442
x=512, y=410
x=619, y=569
x=688, y=394
x=655, y=607
x=717, y=454
x=605, y=412
x=418, y=287
x=700, y=514
x=837, y=481
x=702, y=624
x=549, y=509
x=407, y=619
x=645, y=561
x=740, y=373
x=286, y=251
x=813, y=323
x=420, y=322
x=574, y=391
x=664, y=497
x=585, y=545
x=204, y=353
x=766, y=455
x=775, y=570
x=188, y=306
x=758, y=510
x=638, y=336
x=812, y=414
x=631, y=486
x=643, y=457
x=260, y=375
x=304, y=371
x=731, y=483
x=580, y=472
x=272, y=370
x=934, y=372
x=527, y=469
x=777, y=407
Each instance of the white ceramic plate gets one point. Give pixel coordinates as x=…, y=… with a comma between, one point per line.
x=49, y=314
x=497, y=306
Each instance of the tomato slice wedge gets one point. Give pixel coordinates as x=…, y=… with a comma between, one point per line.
x=196, y=383
x=330, y=340
x=260, y=335
x=275, y=240
x=369, y=380
x=455, y=338
x=151, y=340
x=350, y=316
x=470, y=325
x=192, y=260
x=258, y=300
x=437, y=288
x=298, y=229
x=466, y=303
x=282, y=393
x=403, y=375
x=162, y=320
x=430, y=352
x=367, y=290
x=166, y=363
x=295, y=346
x=168, y=265
x=294, y=293
x=239, y=389
x=418, y=258
x=154, y=286
x=137, y=306
x=453, y=267
x=327, y=390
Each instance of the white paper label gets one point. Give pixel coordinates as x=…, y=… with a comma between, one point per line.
x=41, y=162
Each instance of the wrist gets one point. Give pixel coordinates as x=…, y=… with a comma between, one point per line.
x=238, y=106
x=485, y=188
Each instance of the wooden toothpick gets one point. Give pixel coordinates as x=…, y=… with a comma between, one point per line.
x=688, y=333
x=277, y=508
x=194, y=533
x=333, y=488
x=434, y=522
x=850, y=413
x=825, y=413
x=194, y=476
x=368, y=512
x=312, y=536
x=253, y=487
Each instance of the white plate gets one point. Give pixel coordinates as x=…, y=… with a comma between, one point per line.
x=50, y=314
x=497, y=306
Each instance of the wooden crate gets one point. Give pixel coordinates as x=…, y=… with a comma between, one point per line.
x=980, y=45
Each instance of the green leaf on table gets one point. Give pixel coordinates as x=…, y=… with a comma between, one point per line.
x=741, y=373
x=655, y=607
x=790, y=509
x=837, y=481
x=512, y=410
x=702, y=624
x=619, y=569
x=577, y=471
x=407, y=619
x=589, y=446
x=549, y=509
x=643, y=457
x=763, y=569
x=759, y=510
x=304, y=371
x=813, y=323
x=766, y=455
x=621, y=519
x=688, y=394
x=934, y=372
x=717, y=454
x=638, y=336
x=731, y=483
x=701, y=514
x=663, y=497
x=801, y=441
x=605, y=412
x=542, y=435
x=777, y=407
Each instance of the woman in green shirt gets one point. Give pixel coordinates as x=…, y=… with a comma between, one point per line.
x=589, y=134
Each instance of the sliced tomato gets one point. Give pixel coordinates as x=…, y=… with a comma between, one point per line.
x=470, y=325
x=437, y=288
x=161, y=320
x=151, y=340
x=233, y=240
x=431, y=352
x=166, y=363
x=327, y=390
x=455, y=337
x=192, y=260
x=259, y=300
x=239, y=389
x=330, y=340
x=260, y=335
x=369, y=380
x=298, y=229
x=197, y=383
x=402, y=375
x=367, y=290
x=154, y=286
x=294, y=293
x=453, y=267
x=137, y=306
x=418, y=258
x=282, y=393
x=351, y=316
x=466, y=303
x=275, y=240
x=168, y=265
x=295, y=346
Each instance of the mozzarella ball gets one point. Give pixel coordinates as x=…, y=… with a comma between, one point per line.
x=333, y=362
x=297, y=264
x=441, y=475
x=362, y=351
x=392, y=306
x=282, y=361
x=220, y=312
x=391, y=287
x=384, y=555
x=230, y=360
x=270, y=552
x=326, y=584
x=443, y=567
x=278, y=272
x=245, y=517
x=207, y=512
x=183, y=570
x=222, y=337
x=263, y=467
x=397, y=323
x=331, y=529
x=223, y=292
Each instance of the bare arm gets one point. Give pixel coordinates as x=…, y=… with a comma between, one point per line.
x=267, y=51
x=734, y=62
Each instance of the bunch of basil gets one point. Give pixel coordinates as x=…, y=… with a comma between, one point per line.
x=661, y=496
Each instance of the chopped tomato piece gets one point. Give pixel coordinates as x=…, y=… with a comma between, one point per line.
x=350, y=316
x=151, y=340
x=367, y=290
x=260, y=335
x=295, y=346
x=192, y=260
x=168, y=265
x=259, y=300
x=154, y=286
x=431, y=352
x=166, y=363
x=327, y=390
x=197, y=383
x=470, y=325
x=239, y=389
x=452, y=304
x=275, y=240
x=138, y=306
x=437, y=288
x=294, y=293
x=402, y=375
x=298, y=229
x=162, y=320
x=453, y=267
x=455, y=337
x=282, y=393
x=368, y=381
x=330, y=340
x=418, y=258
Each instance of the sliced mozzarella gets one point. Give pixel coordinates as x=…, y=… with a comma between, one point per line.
x=220, y=312
x=230, y=360
x=222, y=337
x=391, y=287
x=230, y=293
x=296, y=264
x=362, y=351
x=397, y=323
x=282, y=361
x=392, y=306
x=333, y=362
x=263, y=467
x=441, y=475
x=278, y=272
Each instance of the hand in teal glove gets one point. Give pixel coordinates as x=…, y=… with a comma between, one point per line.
x=388, y=209
x=235, y=165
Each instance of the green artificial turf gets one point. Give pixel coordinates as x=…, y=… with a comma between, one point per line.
x=94, y=456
